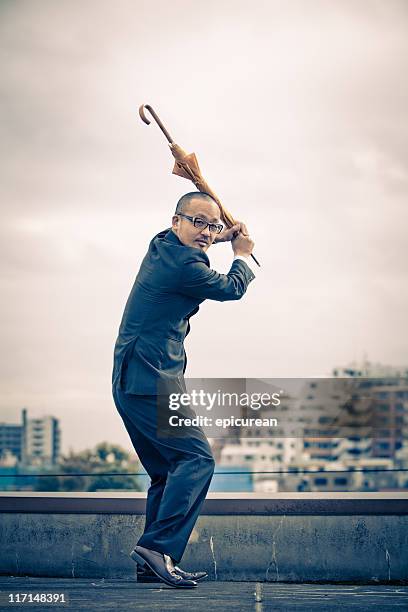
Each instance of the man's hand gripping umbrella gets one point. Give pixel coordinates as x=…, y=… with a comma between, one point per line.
x=186, y=166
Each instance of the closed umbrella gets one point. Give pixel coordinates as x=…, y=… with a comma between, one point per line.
x=186, y=165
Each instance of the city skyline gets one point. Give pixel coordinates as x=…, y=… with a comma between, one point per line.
x=293, y=387
x=343, y=433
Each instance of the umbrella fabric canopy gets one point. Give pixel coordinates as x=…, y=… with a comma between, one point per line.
x=186, y=166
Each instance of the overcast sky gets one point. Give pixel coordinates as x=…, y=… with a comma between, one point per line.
x=298, y=113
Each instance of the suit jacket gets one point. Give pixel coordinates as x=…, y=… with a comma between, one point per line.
x=172, y=281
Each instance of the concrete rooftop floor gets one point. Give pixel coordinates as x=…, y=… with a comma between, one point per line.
x=124, y=595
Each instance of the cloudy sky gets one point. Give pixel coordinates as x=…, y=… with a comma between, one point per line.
x=298, y=112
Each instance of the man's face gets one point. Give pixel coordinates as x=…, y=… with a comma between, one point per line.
x=193, y=236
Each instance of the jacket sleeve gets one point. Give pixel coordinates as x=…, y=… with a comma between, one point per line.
x=198, y=280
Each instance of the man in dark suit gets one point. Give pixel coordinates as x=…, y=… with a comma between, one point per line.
x=173, y=280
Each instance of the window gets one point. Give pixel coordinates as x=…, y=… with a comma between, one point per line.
x=340, y=481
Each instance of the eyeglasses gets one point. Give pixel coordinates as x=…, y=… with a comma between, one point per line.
x=215, y=228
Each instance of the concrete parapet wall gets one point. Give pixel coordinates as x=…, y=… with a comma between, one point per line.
x=288, y=547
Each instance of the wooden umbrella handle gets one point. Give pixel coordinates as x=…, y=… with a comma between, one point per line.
x=156, y=118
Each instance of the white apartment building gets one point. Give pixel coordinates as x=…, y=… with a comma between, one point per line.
x=41, y=440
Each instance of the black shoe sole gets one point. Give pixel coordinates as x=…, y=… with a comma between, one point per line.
x=142, y=562
x=142, y=578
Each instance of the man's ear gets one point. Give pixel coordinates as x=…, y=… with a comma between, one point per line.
x=175, y=222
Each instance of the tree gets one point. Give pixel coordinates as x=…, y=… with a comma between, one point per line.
x=101, y=461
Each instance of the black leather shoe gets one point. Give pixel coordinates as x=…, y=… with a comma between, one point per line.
x=190, y=575
x=162, y=566
x=145, y=574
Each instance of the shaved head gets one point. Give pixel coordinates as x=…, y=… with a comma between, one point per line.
x=184, y=202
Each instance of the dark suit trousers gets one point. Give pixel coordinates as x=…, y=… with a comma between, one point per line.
x=180, y=469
